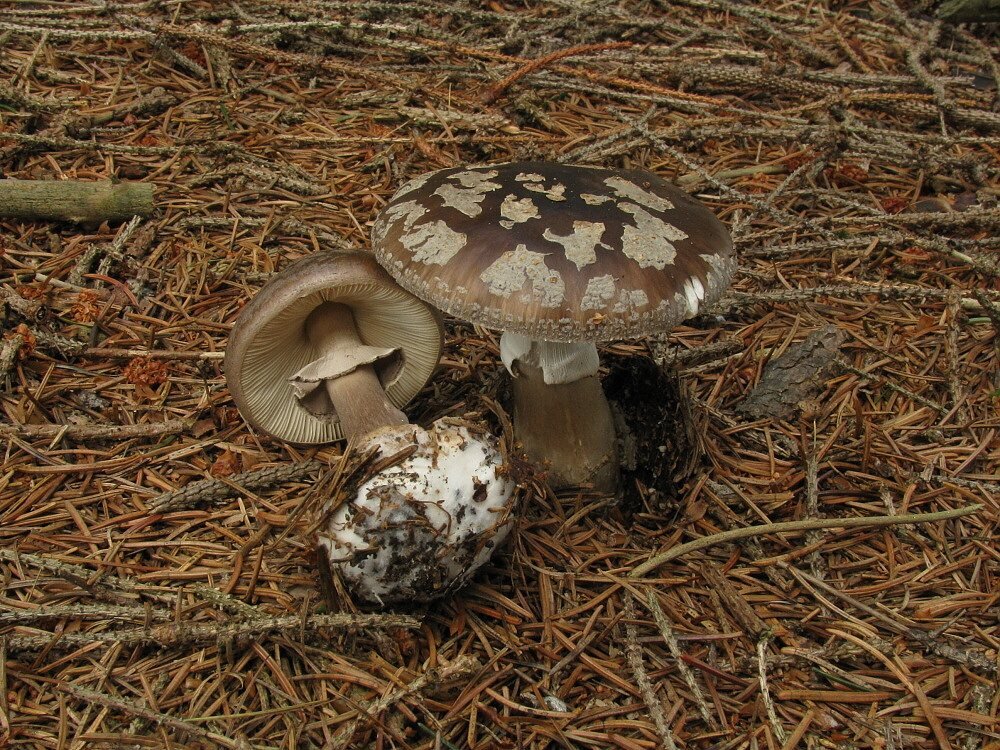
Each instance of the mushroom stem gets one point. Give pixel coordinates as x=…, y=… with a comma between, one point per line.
x=568, y=426
x=358, y=396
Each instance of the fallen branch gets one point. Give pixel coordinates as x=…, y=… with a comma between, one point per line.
x=496, y=91
x=180, y=633
x=102, y=353
x=76, y=201
x=185, y=728
x=796, y=526
x=94, y=431
x=460, y=667
x=206, y=491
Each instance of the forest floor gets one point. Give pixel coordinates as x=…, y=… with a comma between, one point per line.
x=852, y=149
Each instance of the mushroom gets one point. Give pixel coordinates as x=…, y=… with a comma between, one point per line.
x=331, y=348
x=558, y=257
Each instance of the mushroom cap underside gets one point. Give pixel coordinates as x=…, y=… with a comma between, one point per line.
x=555, y=252
x=268, y=343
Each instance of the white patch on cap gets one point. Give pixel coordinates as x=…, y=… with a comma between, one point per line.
x=508, y=274
x=600, y=290
x=630, y=190
x=517, y=211
x=474, y=178
x=650, y=242
x=554, y=193
x=415, y=184
x=435, y=243
x=534, y=183
x=629, y=300
x=594, y=200
x=468, y=201
x=407, y=211
x=469, y=197
x=581, y=245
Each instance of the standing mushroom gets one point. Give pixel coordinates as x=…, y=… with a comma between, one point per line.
x=331, y=348
x=558, y=257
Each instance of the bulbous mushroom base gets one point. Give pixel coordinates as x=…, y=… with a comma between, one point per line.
x=421, y=528
x=567, y=428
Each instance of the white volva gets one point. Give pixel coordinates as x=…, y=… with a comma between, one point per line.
x=422, y=527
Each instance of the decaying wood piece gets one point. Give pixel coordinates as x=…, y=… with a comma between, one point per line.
x=794, y=376
x=76, y=201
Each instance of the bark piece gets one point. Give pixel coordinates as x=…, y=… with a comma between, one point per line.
x=795, y=376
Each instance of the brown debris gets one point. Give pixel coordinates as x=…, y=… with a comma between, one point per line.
x=145, y=372
x=85, y=309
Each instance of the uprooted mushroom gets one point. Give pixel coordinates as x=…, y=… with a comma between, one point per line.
x=558, y=257
x=332, y=348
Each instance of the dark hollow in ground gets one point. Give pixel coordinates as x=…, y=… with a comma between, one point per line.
x=657, y=431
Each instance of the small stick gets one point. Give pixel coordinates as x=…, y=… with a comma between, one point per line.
x=680, y=358
x=434, y=676
x=96, y=351
x=100, y=586
x=95, y=431
x=691, y=179
x=177, y=633
x=214, y=490
x=667, y=632
x=133, y=709
x=796, y=526
x=97, y=611
x=765, y=693
x=495, y=92
x=633, y=655
x=29, y=309
x=75, y=201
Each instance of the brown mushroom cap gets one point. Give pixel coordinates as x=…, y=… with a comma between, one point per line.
x=555, y=252
x=268, y=343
